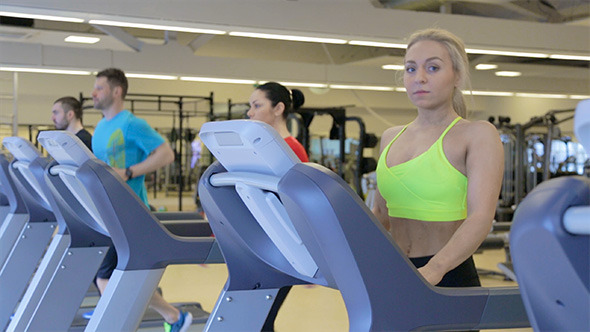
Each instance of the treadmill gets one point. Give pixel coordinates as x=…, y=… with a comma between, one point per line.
x=144, y=244
x=280, y=222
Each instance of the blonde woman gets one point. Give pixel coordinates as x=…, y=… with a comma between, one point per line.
x=439, y=177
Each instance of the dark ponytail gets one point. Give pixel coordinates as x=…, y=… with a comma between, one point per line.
x=277, y=93
x=298, y=98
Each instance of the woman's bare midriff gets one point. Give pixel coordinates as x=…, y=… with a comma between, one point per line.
x=418, y=238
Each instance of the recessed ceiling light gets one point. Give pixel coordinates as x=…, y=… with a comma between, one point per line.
x=82, y=39
x=579, y=96
x=506, y=73
x=393, y=67
x=485, y=66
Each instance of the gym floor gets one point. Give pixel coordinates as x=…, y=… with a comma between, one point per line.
x=307, y=308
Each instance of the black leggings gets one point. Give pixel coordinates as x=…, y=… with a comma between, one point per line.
x=108, y=265
x=464, y=275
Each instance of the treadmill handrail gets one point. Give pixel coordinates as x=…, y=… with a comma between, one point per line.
x=262, y=181
x=23, y=167
x=259, y=194
x=576, y=221
x=65, y=169
x=67, y=174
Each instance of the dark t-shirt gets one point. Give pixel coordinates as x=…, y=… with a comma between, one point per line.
x=85, y=137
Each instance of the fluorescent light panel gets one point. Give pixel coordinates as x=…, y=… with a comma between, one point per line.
x=216, y=80
x=507, y=53
x=302, y=84
x=579, y=96
x=45, y=71
x=393, y=67
x=361, y=87
x=287, y=37
x=156, y=27
x=541, y=95
x=376, y=44
x=570, y=57
x=151, y=76
x=82, y=39
x=43, y=17
x=489, y=93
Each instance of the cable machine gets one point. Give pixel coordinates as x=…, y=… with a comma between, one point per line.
x=528, y=151
x=361, y=165
x=156, y=104
x=234, y=111
x=528, y=160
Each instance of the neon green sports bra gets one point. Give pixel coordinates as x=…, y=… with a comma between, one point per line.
x=425, y=188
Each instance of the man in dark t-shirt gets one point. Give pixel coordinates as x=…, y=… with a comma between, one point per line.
x=66, y=114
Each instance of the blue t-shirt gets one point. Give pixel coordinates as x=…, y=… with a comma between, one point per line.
x=123, y=141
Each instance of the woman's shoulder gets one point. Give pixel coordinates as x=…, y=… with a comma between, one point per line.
x=477, y=130
x=478, y=126
x=389, y=134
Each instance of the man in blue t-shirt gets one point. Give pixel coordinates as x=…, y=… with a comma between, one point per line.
x=132, y=148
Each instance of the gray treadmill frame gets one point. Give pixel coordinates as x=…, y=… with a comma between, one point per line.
x=69, y=264
x=144, y=246
x=36, y=233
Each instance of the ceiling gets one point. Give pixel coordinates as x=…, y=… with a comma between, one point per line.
x=550, y=11
x=547, y=26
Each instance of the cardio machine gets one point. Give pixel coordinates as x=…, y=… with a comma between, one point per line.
x=24, y=236
x=72, y=258
x=4, y=201
x=280, y=222
x=550, y=245
x=144, y=245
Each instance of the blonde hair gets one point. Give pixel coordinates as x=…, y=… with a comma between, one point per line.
x=456, y=49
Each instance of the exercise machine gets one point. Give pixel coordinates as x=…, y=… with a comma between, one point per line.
x=76, y=251
x=550, y=243
x=353, y=169
x=280, y=222
x=4, y=202
x=17, y=215
x=144, y=246
x=27, y=235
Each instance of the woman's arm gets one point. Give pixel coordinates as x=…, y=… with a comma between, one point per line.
x=484, y=167
x=380, y=206
x=380, y=210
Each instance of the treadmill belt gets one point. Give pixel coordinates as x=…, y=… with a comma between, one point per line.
x=150, y=319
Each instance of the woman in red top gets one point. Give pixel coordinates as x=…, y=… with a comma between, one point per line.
x=271, y=103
